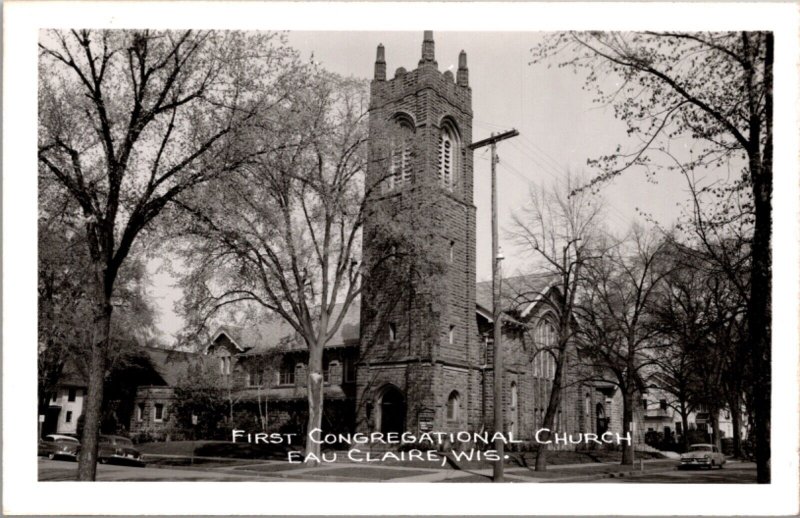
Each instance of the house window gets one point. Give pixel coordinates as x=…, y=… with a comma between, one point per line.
x=158, y=412
x=349, y=370
x=326, y=371
x=54, y=397
x=452, y=406
x=71, y=394
x=255, y=375
x=451, y=337
x=663, y=404
x=68, y=418
x=286, y=375
x=392, y=332
x=139, y=412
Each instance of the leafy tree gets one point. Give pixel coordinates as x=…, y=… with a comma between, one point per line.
x=128, y=122
x=283, y=233
x=616, y=331
x=699, y=314
x=65, y=304
x=557, y=230
x=201, y=393
x=715, y=90
x=716, y=232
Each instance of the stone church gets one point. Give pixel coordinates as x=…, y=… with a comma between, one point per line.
x=416, y=353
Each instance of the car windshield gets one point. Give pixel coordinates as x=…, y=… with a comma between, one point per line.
x=700, y=447
x=123, y=441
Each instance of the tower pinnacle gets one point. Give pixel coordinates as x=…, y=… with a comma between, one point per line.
x=380, y=64
x=428, y=54
x=462, y=76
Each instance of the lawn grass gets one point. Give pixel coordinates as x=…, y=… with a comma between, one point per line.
x=224, y=449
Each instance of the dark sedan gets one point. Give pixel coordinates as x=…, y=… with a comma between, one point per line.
x=59, y=446
x=113, y=448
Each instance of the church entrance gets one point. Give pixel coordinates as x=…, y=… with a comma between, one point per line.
x=393, y=411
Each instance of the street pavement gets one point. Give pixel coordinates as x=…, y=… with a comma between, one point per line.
x=654, y=471
x=732, y=473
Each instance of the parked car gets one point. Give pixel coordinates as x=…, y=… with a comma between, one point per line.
x=59, y=446
x=113, y=448
x=702, y=455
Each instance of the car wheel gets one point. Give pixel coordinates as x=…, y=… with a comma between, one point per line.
x=102, y=460
x=51, y=456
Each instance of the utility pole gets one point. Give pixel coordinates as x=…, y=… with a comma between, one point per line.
x=499, y=445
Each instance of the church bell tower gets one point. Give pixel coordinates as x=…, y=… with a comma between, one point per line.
x=420, y=352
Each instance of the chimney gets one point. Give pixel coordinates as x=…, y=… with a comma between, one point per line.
x=380, y=65
x=462, y=76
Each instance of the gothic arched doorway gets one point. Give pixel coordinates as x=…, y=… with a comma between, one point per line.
x=392, y=411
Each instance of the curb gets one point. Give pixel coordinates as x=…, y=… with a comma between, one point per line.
x=617, y=474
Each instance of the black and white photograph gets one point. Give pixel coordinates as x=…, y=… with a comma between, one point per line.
x=340, y=255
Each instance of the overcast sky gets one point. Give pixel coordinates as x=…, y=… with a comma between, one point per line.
x=560, y=128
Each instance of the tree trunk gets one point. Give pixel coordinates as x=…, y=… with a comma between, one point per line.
x=627, y=419
x=87, y=459
x=261, y=420
x=552, y=409
x=266, y=405
x=314, y=388
x=736, y=422
x=759, y=309
x=685, y=428
x=714, y=414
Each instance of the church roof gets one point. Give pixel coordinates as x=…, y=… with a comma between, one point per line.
x=276, y=333
x=517, y=295
x=170, y=364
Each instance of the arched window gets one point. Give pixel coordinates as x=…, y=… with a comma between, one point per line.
x=513, y=394
x=400, y=164
x=544, y=362
x=514, y=410
x=448, y=155
x=453, y=406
